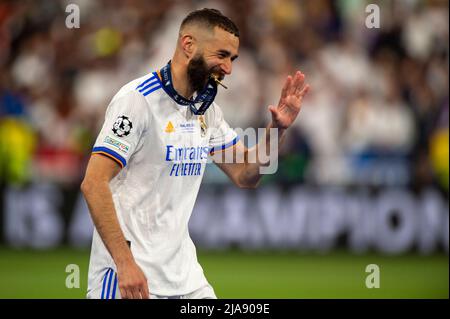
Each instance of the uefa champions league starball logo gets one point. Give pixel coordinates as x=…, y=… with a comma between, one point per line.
x=122, y=126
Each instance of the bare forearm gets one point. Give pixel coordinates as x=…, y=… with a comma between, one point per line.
x=250, y=174
x=256, y=161
x=101, y=207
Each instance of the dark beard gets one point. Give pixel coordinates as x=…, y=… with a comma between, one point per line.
x=198, y=73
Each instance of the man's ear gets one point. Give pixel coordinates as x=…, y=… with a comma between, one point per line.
x=188, y=44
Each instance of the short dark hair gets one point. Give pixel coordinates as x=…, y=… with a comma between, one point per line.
x=211, y=18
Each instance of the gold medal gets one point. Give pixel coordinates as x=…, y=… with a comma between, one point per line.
x=203, y=126
x=216, y=79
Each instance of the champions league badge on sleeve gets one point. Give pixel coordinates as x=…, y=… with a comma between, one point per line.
x=122, y=126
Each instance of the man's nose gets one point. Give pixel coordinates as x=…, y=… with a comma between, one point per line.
x=226, y=67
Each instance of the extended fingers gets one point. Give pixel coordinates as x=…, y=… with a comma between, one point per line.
x=124, y=293
x=128, y=292
x=287, y=87
x=145, y=292
x=304, y=91
x=293, y=84
x=134, y=291
x=299, y=81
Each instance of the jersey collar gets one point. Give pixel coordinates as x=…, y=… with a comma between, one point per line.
x=204, y=99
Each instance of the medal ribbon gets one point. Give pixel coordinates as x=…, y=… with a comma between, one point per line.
x=205, y=97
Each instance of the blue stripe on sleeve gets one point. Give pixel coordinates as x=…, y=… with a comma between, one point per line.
x=222, y=147
x=110, y=152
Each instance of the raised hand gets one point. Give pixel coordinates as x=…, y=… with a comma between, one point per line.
x=290, y=103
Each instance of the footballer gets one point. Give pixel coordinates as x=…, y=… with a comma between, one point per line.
x=148, y=160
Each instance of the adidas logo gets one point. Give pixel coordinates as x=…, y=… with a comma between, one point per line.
x=169, y=128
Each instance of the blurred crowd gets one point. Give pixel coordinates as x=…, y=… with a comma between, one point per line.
x=377, y=113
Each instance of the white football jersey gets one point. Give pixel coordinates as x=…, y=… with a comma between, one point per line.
x=162, y=148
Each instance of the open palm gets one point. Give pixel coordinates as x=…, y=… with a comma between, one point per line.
x=290, y=103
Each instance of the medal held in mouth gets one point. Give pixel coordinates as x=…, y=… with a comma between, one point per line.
x=216, y=79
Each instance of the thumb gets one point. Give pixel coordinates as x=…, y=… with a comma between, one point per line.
x=274, y=111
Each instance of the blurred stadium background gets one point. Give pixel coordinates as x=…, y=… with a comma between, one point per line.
x=365, y=174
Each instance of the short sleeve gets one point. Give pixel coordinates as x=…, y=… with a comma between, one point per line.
x=125, y=122
x=222, y=135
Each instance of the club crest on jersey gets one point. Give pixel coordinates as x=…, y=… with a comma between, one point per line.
x=122, y=126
